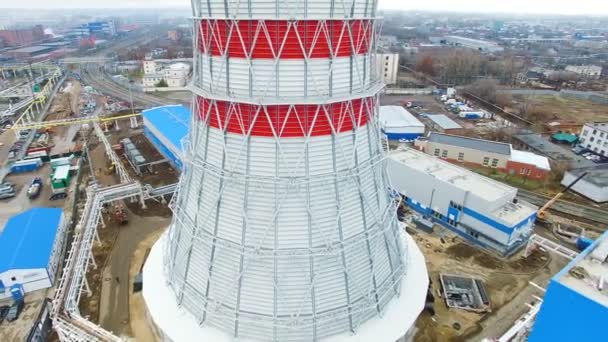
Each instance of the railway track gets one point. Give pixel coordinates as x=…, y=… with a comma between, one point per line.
x=94, y=76
x=566, y=207
x=99, y=80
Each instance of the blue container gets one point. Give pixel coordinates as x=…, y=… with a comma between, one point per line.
x=582, y=243
x=17, y=292
x=24, y=168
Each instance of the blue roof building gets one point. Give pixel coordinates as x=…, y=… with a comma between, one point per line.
x=30, y=249
x=575, y=306
x=166, y=127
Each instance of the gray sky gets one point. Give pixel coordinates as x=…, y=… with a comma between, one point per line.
x=596, y=7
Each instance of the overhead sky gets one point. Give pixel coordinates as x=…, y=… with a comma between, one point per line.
x=596, y=7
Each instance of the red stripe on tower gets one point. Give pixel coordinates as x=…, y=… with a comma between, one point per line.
x=286, y=120
x=284, y=39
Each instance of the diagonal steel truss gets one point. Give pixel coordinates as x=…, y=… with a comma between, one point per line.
x=223, y=171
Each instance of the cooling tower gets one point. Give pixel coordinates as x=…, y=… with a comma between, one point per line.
x=283, y=226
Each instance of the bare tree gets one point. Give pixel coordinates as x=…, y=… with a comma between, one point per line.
x=526, y=105
x=504, y=100
x=460, y=67
x=426, y=64
x=485, y=89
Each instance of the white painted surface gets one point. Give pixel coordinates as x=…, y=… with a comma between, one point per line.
x=284, y=78
x=180, y=326
x=31, y=279
x=525, y=157
x=396, y=119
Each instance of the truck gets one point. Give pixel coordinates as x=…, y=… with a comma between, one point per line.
x=35, y=188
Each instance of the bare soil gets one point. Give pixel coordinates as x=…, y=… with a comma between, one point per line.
x=506, y=282
x=568, y=108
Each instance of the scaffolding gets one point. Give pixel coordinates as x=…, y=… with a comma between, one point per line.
x=67, y=320
x=39, y=101
x=284, y=229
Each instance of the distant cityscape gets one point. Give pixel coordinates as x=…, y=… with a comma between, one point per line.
x=285, y=170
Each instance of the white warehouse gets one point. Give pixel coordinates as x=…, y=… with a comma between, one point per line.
x=397, y=123
x=594, y=185
x=475, y=207
x=30, y=247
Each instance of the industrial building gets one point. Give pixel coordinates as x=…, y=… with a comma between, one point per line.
x=30, y=51
x=166, y=127
x=397, y=123
x=284, y=227
x=594, y=136
x=485, y=153
x=477, y=208
x=586, y=71
x=538, y=144
x=575, y=305
x=176, y=74
x=594, y=185
x=30, y=248
x=388, y=67
x=21, y=36
x=106, y=27
x=470, y=43
x=442, y=123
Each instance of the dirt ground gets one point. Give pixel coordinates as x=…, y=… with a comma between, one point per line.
x=506, y=282
x=568, y=108
x=117, y=280
x=65, y=105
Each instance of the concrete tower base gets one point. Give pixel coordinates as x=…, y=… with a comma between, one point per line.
x=176, y=324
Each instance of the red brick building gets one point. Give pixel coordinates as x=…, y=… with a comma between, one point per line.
x=19, y=37
x=485, y=153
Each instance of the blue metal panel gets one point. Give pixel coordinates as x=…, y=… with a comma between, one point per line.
x=28, y=238
x=406, y=136
x=17, y=292
x=493, y=223
x=164, y=150
x=454, y=212
x=172, y=121
x=566, y=315
x=427, y=212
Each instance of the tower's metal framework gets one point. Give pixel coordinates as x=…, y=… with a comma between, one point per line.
x=284, y=229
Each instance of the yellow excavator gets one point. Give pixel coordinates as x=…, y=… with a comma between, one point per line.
x=574, y=235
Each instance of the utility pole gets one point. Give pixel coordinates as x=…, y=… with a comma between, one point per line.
x=131, y=95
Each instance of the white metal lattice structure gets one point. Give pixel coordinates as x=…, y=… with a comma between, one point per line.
x=283, y=228
x=65, y=312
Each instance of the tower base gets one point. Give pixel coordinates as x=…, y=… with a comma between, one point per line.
x=178, y=325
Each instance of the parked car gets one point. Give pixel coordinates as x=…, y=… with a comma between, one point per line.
x=35, y=188
x=7, y=188
x=14, y=311
x=7, y=195
x=3, y=312
x=55, y=197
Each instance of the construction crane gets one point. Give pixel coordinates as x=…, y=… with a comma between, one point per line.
x=542, y=212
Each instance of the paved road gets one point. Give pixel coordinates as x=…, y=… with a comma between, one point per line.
x=587, y=212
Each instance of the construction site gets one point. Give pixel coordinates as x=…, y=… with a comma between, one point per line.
x=122, y=206
x=273, y=209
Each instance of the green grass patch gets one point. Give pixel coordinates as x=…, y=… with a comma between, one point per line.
x=512, y=180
